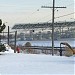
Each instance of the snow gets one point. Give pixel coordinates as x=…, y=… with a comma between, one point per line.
x=8, y=48
x=36, y=64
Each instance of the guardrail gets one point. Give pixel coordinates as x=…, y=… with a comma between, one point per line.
x=44, y=49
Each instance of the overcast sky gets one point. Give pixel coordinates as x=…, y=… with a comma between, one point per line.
x=30, y=11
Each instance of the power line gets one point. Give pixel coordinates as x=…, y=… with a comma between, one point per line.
x=38, y=9
x=62, y=16
x=55, y=9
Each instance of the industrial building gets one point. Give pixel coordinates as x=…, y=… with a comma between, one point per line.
x=43, y=31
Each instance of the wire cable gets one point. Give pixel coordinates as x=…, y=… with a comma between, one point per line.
x=62, y=16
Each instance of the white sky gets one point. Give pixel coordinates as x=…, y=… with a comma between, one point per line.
x=25, y=11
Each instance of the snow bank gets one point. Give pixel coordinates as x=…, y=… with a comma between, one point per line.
x=8, y=49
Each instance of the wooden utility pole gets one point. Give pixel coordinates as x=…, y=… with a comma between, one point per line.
x=53, y=28
x=52, y=23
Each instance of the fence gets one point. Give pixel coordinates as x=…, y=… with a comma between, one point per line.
x=9, y=38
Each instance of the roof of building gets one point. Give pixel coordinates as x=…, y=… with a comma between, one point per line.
x=42, y=25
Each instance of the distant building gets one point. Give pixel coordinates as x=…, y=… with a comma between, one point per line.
x=43, y=31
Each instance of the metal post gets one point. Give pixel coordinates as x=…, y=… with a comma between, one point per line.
x=53, y=28
x=60, y=50
x=8, y=35
x=15, y=41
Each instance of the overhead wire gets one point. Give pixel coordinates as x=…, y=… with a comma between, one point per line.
x=34, y=12
x=65, y=14
x=51, y=14
x=62, y=16
x=46, y=15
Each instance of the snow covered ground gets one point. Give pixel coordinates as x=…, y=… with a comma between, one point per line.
x=36, y=64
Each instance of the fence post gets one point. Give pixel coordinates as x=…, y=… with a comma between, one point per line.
x=60, y=50
x=8, y=35
x=15, y=41
x=0, y=37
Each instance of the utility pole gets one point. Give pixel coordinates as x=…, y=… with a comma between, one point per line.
x=53, y=28
x=52, y=23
